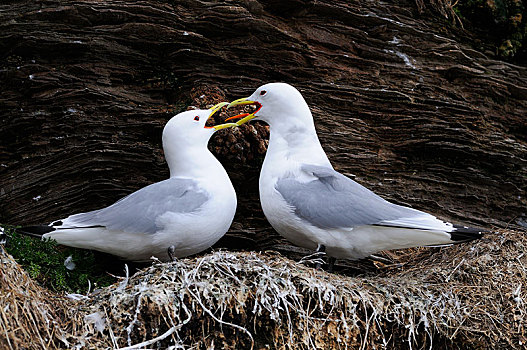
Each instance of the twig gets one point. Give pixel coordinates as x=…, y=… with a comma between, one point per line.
x=151, y=341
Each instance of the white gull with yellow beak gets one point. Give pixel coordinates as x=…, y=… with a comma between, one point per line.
x=180, y=216
x=314, y=206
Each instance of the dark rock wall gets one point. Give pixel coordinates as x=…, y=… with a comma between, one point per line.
x=401, y=101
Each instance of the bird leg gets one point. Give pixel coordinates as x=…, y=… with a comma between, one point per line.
x=172, y=253
x=315, y=257
x=320, y=249
x=331, y=263
x=331, y=260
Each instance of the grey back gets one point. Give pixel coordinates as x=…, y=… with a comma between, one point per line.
x=138, y=211
x=336, y=201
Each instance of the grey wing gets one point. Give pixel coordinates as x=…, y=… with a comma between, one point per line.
x=335, y=201
x=138, y=211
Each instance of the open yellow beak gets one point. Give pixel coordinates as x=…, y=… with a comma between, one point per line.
x=213, y=111
x=216, y=108
x=245, y=116
x=240, y=101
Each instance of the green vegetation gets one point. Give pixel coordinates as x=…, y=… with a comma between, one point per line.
x=44, y=261
x=502, y=22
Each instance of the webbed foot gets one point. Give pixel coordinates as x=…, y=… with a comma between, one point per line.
x=172, y=253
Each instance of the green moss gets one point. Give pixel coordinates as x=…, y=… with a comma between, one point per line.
x=502, y=22
x=44, y=262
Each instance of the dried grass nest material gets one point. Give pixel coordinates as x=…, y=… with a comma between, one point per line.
x=466, y=297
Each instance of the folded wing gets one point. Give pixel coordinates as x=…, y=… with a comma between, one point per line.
x=138, y=211
x=333, y=200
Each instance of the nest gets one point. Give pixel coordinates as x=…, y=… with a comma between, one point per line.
x=467, y=297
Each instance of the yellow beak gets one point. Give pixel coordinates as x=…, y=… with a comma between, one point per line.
x=224, y=126
x=245, y=119
x=216, y=108
x=247, y=116
x=213, y=111
x=240, y=101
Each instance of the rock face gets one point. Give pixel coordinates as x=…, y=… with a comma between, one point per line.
x=400, y=100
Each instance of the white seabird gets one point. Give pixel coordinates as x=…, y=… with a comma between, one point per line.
x=316, y=207
x=180, y=216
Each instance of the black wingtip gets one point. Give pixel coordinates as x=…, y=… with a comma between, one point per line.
x=35, y=231
x=3, y=237
x=465, y=233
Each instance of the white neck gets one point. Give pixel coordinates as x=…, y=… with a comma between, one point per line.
x=293, y=142
x=192, y=162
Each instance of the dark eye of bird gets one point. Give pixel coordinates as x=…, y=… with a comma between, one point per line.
x=263, y=92
x=196, y=118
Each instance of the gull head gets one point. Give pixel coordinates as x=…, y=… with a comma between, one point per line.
x=185, y=139
x=189, y=127
x=276, y=103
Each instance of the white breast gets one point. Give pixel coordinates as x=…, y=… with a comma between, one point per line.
x=195, y=232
